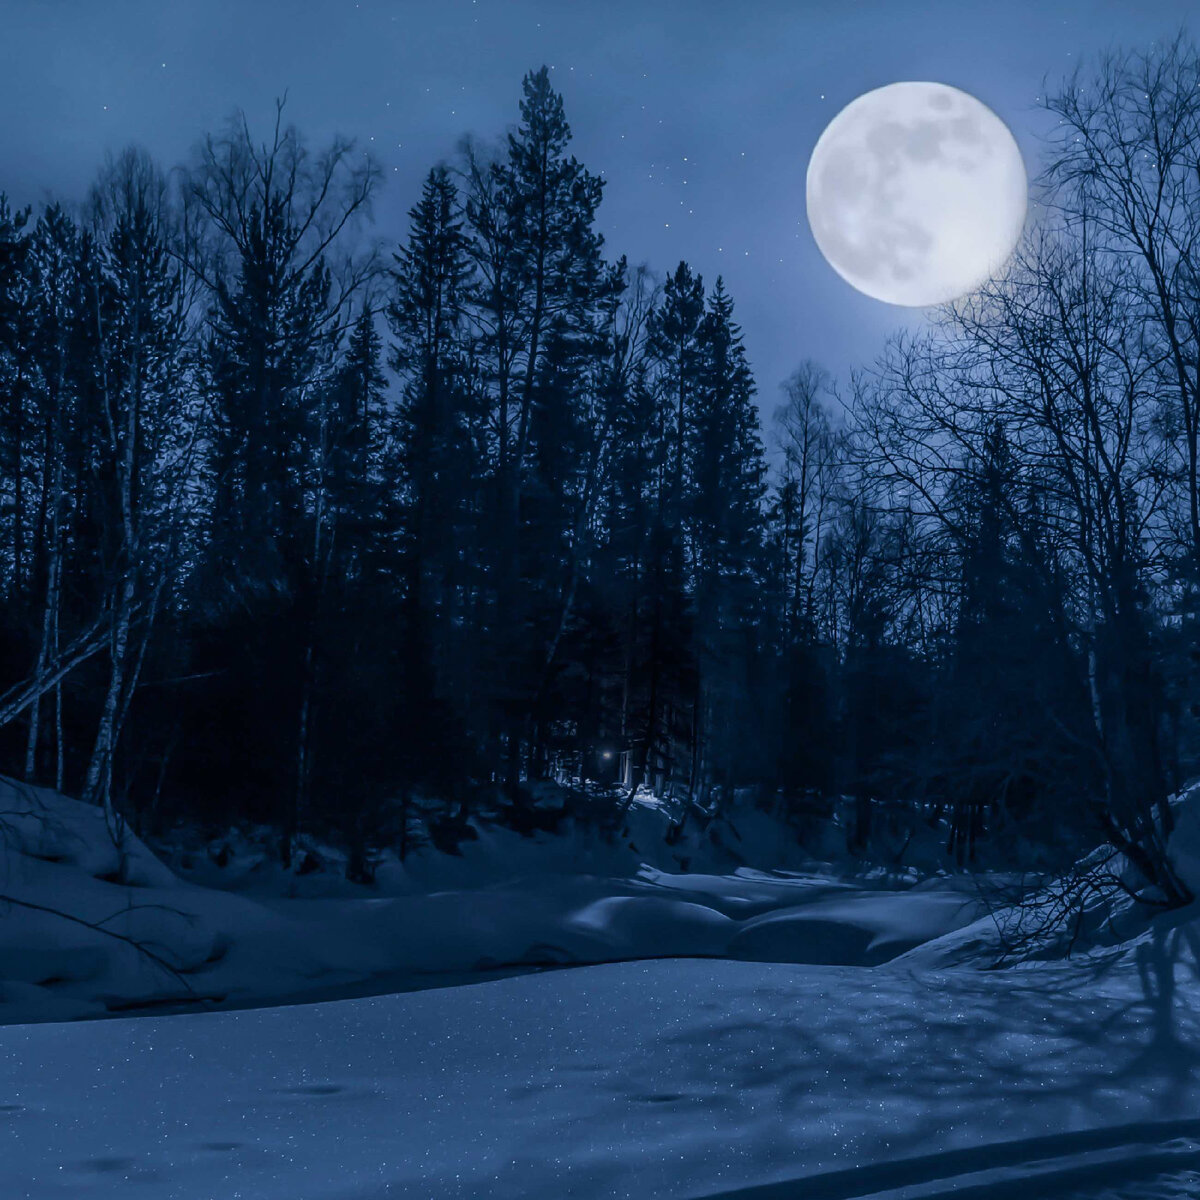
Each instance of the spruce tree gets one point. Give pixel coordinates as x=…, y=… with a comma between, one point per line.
x=438, y=475
x=675, y=350
x=724, y=510
x=540, y=280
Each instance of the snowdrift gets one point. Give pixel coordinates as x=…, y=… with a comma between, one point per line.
x=680, y=1078
x=92, y=923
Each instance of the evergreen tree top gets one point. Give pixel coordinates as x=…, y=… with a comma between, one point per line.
x=544, y=127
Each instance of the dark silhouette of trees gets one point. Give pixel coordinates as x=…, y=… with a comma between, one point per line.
x=372, y=551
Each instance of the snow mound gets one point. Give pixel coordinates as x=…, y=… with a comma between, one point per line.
x=859, y=930
x=39, y=824
x=92, y=923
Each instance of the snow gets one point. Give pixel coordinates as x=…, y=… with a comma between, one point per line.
x=246, y=860
x=854, y=930
x=742, y=1034
x=257, y=944
x=681, y=1078
x=1183, y=847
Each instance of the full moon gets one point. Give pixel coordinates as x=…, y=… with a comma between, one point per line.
x=916, y=193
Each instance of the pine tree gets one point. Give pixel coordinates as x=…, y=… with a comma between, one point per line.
x=724, y=510
x=359, y=689
x=622, y=561
x=540, y=281
x=675, y=343
x=430, y=356
x=674, y=346
x=438, y=471
x=354, y=441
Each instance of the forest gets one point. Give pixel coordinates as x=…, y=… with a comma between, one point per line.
x=374, y=533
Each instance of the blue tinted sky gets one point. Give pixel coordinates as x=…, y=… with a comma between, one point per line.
x=701, y=115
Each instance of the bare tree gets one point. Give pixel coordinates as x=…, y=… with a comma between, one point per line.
x=55, y=257
x=273, y=223
x=1054, y=354
x=1125, y=162
x=139, y=309
x=812, y=452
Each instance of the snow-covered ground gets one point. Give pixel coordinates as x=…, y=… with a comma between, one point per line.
x=678, y=1078
x=818, y=1050
x=91, y=924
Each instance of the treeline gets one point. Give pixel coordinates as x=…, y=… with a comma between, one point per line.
x=300, y=528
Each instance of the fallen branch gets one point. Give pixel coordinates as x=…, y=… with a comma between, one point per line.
x=99, y=927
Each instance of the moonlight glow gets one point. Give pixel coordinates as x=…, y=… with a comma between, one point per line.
x=916, y=193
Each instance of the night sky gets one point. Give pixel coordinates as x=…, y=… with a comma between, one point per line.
x=701, y=115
